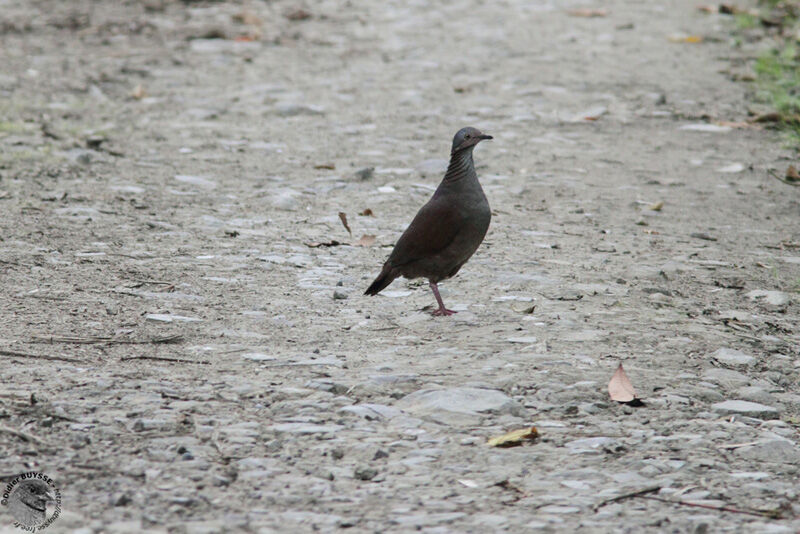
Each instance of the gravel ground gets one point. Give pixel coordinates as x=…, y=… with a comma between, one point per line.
x=170, y=181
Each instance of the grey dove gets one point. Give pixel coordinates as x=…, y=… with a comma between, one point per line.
x=447, y=230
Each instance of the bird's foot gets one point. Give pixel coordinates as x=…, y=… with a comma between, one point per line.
x=443, y=312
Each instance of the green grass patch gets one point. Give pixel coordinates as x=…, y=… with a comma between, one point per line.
x=745, y=21
x=778, y=84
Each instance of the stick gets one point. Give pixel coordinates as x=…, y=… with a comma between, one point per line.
x=627, y=496
x=20, y=434
x=175, y=338
x=775, y=514
x=160, y=359
x=774, y=174
x=4, y=352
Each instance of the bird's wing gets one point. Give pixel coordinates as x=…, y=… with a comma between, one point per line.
x=433, y=229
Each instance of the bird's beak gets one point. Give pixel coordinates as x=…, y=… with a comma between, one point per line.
x=484, y=136
x=49, y=497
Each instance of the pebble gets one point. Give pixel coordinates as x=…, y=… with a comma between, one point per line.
x=305, y=428
x=733, y=357
x=772, y=298
x=168, y=318
x=196, y=180
x=372, y=411
x=338, y=294
x=458, y=400
x=742, y=407
x=365, y=473
x=774, y=451
x=591, y=445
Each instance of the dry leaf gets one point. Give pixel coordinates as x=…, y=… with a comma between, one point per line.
x=772, y=116
x=656, y=207
x=692, y=39
x=367, y=213
x=139, y=92
x=792, y=175
x=651, y=231
x=514, y=438
x=587, y=12
x=708, y=9
x=734, y=124
x=366, y=241
x=298, y=14
x=620, y=388
x=343, y=218
x=329, y=166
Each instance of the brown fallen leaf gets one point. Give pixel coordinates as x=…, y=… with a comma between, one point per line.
x=691, y=39
x=139, y=92
x=772, y=116
x=367, y=213
x=298, y=14
x=587, y=12
x=366, y=241
x=329, y=166
x=620, y=388
x=656, y=207
x=792, y=175
x=343, y=218
x=514, y=438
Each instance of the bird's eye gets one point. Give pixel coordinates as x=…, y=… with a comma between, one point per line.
x=467, y=136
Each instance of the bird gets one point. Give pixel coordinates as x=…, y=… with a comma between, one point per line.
x=28, y=503
x=447, y=230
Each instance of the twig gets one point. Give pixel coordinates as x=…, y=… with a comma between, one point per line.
x=627, y=496
x=174, y=338
x=160, y=359
x=20, y=434
x=775, y=514
x=775, y=175
x=4, y=352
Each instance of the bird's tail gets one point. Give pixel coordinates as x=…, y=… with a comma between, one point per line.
x=384, y=279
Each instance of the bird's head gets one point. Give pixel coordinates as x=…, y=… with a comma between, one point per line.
x=35, y=494
x=466, y=138
x=28, y=503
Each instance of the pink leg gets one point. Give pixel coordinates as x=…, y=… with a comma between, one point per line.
x=442, y=310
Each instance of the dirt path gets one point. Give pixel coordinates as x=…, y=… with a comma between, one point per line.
x=187, y=210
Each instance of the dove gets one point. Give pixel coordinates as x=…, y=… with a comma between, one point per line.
x=447, y=230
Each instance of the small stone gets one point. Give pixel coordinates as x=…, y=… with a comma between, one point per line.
x=772, y=298
x=339, y=295
x=776, y=451
x=365, y=173
x=196, y=180
x=365, y=473
x=732, y=168
x=123, y=500
x=741, y=407
x=733, y=357
x=458, y=400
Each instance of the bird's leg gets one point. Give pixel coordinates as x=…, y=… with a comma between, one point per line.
x=442, y=310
